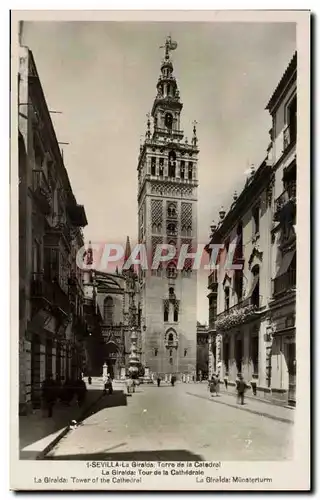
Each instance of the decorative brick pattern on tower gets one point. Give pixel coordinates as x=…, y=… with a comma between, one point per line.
x=167, y=196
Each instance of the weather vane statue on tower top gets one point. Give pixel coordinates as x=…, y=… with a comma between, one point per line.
x=169, y=45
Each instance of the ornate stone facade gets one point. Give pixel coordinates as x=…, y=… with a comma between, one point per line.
x=167, y=172
x=255, y=313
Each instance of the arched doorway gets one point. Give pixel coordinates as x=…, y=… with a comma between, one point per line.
x=112, y=357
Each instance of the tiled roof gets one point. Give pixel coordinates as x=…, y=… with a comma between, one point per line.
x=291, y=68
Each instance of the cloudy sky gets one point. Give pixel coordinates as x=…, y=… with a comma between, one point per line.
x=103, y=77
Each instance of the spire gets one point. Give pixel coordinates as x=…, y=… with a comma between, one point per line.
x=194, y=138
x=167, y=88
x=127, y=255
x=127, y=252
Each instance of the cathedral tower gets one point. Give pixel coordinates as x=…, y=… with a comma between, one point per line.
x=167, y=201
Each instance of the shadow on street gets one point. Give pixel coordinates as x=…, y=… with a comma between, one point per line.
x=148, y=455
x=36, y=427
x=118, y=398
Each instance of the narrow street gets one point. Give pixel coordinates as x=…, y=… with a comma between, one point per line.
x=175, y=423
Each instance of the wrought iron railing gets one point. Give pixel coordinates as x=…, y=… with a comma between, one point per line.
x=249, y=301
x=289, y=195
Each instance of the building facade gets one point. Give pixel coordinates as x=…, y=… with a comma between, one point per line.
x=202, y=352
x=252, y=308
x=112, y=304
x=167, y=213
x=51, y=323
x=283, y=110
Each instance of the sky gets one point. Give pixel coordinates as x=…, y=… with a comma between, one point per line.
x=102, y=76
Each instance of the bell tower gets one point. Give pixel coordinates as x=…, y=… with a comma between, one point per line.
x=167, y=204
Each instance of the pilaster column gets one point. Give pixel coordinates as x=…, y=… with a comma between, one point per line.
x=232, y=360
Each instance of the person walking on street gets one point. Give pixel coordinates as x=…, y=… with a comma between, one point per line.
x=241, y=388
x=173, y=379
x=213, y=385
x=158, y=380
x=108, y=385
x=49, y=394
x=81, y=391
x=217, y=384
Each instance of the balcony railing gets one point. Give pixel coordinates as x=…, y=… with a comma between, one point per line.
x=172, y=132
x=60, y=228
x=284, y=282
x=288, y=196
x=42, y=191
x=238, y=313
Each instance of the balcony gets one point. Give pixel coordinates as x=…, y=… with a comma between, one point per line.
x=285, y=282
x=59, y=229
x=238, y=314
x=77, y=215
x=41, y=191
x=285, y=204
x=171, y=132
x=48, y=290
x=213, y=280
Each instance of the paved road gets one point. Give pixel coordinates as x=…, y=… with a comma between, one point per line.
x=167, y=423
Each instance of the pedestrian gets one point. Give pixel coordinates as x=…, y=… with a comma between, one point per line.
x=49, y=393
x=81, y=390
x=217, y=384
x=108, y=386
x=89, y=380
x=173, y=379
x=213, y=385
x=241, y=387
x=226, y=382
x=158, y=380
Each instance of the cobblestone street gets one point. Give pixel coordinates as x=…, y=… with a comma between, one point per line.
x=177, y=423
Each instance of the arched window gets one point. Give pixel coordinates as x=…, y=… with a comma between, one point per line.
x=161, y=167
x=168, y=120
x=166, y=313
x=176, y=315
x=190, y=170
x=170, y=338
x=108, y=310
x=153, y=165
x=172, y=164
x=182, y=169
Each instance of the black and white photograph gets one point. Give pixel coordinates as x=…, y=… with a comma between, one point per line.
x=161, y=191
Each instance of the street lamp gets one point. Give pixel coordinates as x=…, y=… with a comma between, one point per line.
x=133, y=357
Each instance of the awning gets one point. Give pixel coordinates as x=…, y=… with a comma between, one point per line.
x=286, y=261
x=253, y=286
